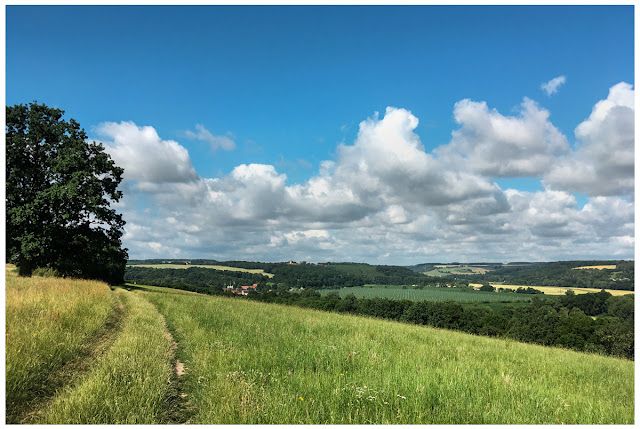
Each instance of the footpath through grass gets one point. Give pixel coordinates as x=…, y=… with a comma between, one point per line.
x=50, y=323
x=254, y=363
x=77, y=352
x=133, y=383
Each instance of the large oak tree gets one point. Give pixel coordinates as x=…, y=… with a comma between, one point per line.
x=59, y=192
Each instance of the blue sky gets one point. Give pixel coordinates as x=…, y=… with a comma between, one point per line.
x=288, y=85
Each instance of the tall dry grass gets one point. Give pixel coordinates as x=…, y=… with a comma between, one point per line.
x=49, y=322
x=132, y=383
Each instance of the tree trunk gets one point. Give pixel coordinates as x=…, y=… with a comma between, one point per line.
x=25, y=267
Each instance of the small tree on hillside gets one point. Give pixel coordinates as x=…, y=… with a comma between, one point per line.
x=58, y=194
x=487, y=288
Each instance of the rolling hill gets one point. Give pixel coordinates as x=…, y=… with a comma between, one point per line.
x=221, y=360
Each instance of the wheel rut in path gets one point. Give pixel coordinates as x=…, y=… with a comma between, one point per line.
x=73, y=370
x=180, y=409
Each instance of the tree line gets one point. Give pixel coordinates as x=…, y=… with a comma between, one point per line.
x=285, y=275
x=195, y=279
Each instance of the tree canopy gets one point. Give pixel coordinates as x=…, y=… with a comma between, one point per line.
x=59, y=192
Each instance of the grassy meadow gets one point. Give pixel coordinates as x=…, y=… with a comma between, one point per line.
x=50, y=323
x=79, y=352
x=254, y=363
x=130, y=384
x=213, y=267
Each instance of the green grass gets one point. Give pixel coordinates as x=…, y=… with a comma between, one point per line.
x=131, y=383
x=249, y=363
x=49, y=322
x=213, y=267
x=428, y=293
x=252, y=363
x=159, y=289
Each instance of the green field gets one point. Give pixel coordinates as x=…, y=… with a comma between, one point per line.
x=156, y=356
x=213, y=267
x=428, y=293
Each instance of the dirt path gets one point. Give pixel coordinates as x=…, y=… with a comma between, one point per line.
x=180, y=409
x=76, y=368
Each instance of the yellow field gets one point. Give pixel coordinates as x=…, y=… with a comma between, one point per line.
x=596, y=267
x=552, y=290
x=213, y=267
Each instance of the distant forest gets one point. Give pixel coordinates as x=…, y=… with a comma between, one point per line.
x=318, y=276
x=336, y=275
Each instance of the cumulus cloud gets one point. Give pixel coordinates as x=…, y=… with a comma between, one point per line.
x=388, y=164
x=494, y=145
x=215, y=142
x=603, y=163
x=145, y=157
x=552, y=86
x=383, y=198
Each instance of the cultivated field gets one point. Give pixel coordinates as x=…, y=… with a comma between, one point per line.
x=428, y=293
x=553, y=290
x=213, y=267
x=596, y=267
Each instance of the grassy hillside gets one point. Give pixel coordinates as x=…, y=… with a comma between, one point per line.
x=78, y=352
x=131, y=384
x=50, y=323
x=249, y=362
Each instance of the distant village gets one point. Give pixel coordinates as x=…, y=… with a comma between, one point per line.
x=240, y=290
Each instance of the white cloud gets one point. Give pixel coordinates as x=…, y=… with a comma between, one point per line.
x=145, y=157
x=215, y=142
x=603, y=163
x=388, y=164
x=381, y=195
x=552, y=86
x=494, y=145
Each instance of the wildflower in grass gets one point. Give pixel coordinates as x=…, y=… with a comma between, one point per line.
x=401, y=397
x=301, y=398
